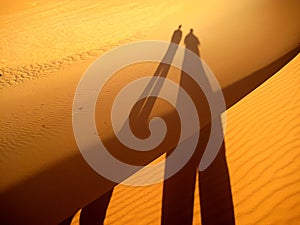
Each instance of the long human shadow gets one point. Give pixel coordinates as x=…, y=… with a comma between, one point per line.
x=214, y=183
x=144, y=107
x=28, y=198
x=214, y=186
x=94, y=213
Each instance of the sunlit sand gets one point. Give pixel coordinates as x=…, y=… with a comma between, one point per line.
x=46, y=46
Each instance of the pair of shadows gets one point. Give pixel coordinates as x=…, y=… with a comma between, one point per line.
x=214, y=183
x=178, y=194
x=94, y=213
x=178, y=191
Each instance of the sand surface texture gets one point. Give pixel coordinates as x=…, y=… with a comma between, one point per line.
x=262, y=148
x=46, y=46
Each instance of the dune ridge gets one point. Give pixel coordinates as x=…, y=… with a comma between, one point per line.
x=262, y=147
x=61, y=38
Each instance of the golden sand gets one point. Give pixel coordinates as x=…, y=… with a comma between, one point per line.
x=47, y=45
x=262, y=145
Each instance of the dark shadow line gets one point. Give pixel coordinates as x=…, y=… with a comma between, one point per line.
x=239, y=89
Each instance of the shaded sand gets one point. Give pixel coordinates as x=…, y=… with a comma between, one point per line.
x=262, y=146
x=46, y=47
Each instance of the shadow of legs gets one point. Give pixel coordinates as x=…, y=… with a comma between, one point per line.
x=178, y=197
x=94, y=213
x=215, y=193
x=67, y=221
x=214, y=189
x=178, y=191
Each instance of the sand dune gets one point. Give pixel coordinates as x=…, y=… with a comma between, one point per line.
x=47, y=46
x=262, y=145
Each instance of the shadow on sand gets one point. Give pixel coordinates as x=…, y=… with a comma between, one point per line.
x=178, y=193
x=214, y=183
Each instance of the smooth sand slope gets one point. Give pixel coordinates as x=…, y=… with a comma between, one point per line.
x=47, y=46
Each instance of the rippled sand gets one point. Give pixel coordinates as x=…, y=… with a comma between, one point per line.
x=47, y=45
x=262, y=147
x=50, y=36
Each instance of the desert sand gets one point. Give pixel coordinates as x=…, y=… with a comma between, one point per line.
x=48, y=45
x=262, y=148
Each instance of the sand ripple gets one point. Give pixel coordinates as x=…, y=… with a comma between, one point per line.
x=262, y=145
x=48, y=37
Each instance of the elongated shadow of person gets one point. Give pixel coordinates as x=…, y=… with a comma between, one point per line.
x=178, y=191
x=94, y=213
x=214, y=184
x=143, y=109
